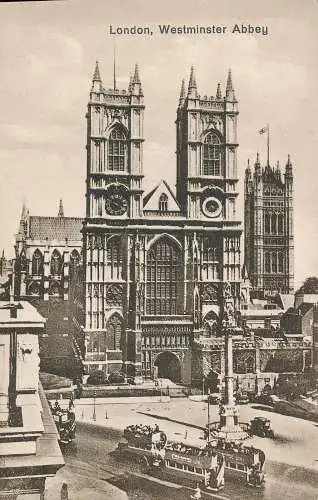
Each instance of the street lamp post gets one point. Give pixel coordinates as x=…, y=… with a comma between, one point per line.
x=209, y=415
x=94, y=409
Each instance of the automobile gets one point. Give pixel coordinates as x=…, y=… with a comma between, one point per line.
x=215, y=398
x=242, y=398
x=261, y=426
x=97, y=377
x=116, y=378
x=267, y=399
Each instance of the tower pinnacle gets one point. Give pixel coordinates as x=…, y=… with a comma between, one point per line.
x=229, y=87
x=182, y=92
x=136, y=77
x=96, y=75
x=218, y=92
x=61, y=209
x=192, y=87
x=136, y=82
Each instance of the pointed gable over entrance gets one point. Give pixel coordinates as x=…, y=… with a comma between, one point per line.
x=161, y=199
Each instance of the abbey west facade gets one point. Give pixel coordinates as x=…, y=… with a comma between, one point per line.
x=155, y=264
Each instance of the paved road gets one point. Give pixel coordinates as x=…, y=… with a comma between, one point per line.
x=91, y=458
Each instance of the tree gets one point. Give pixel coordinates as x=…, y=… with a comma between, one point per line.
x=310, y=285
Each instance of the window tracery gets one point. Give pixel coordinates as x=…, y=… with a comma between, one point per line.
x=163, y=278
x=117, y=150
x=212, y=155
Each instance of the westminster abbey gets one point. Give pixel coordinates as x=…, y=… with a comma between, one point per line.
x=155, y=263
x=137, y=286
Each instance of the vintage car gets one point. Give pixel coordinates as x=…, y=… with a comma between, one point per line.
x=261, y=426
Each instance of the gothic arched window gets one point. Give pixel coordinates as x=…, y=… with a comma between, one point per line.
x=74, y=262
x=274, y=262
x=280, y=224
x=280, y=262
x=274, y=224
x=267, y=262
x=114, y=330
x=117, y=150
x=163, y=278
x=163, y=202
x=212, y=155
x=37, y=263
x=55, y=290
x=56, y=263
x=114, y=257
x=267, y=224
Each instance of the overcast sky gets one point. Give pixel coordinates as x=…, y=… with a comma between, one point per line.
x=47, y=56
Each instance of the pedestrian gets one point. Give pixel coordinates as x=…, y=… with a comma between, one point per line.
x=71, y=402
x=64, y=492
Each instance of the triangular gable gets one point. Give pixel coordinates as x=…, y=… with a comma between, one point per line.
x=151, y=200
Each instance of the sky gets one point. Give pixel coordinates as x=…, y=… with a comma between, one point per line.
x=47, y=57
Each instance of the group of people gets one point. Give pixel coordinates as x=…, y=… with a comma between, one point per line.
x=141, y=430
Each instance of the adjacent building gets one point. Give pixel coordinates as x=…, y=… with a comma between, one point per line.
x=269, y=231
x=48, y=251
x=29, y=449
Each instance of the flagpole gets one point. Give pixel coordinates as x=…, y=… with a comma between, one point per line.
x=268, y=145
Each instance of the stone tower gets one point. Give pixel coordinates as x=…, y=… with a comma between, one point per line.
x=269, y=232
x=113, y=198
x=207, y=181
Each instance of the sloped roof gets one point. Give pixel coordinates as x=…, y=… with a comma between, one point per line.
x=287, y=300
x=151, y=200
x=55, y=228
x=304, y=308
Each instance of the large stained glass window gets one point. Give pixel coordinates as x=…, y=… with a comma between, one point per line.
x=117, y=146
x=212, y=155
x=164, y=277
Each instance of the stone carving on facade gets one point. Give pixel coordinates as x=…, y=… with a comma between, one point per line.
x=210, y=120
x=114, y=295
x=228, y=305
x=34, y=288
x=244, y=361
x=215, y=362
x=210, y=292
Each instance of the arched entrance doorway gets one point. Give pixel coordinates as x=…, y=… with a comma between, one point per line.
x=168, y=366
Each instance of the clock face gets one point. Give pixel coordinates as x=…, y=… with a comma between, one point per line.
x=116, y=202
x=212, y=207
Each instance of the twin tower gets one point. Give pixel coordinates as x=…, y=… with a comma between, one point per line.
x=156, y=264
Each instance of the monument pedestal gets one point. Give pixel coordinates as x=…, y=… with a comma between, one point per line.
x=230, y=428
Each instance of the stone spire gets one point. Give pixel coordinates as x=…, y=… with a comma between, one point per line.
x=23, y=224
x=248, y=170
x=96, y=75
x=61, y=209
x=257, y=165
x=192, y=87
x=130, y=84
x=182, y=92
x=136, y=78
x=97, y=81
x=136, y=82
x=289, y=168
x=229, y=87
x=218, y=92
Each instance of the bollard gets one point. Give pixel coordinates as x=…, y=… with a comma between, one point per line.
x=83, y=413
x=106, y=416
